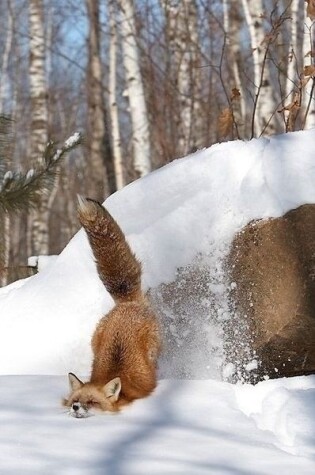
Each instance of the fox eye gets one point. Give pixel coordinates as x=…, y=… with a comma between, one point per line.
x=93, y=403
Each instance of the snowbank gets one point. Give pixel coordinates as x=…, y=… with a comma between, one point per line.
x=185, y=427
x=185, y=213
x=190, y=207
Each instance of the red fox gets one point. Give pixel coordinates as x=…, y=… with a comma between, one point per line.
x=126, y=342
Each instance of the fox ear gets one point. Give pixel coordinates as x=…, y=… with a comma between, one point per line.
x=112, y=389
x=74, y=382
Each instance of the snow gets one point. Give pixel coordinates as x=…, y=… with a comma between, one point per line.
x=30, y=174
x=183, y=216
x=185, y=427
x=73, y=140
x=41, y=261
x=285, y=407
x=8, y=176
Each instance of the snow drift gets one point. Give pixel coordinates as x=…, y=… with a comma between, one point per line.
x=179, y=217
x=181, y=221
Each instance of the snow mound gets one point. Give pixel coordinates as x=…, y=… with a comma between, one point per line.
x=188, y=210
x=284, y=407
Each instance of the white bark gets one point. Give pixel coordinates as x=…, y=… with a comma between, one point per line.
x=183, y=41
x=116, y=140
x=293, y=65
x=5, y=58
x=231, y=25
x=308, y=101
x=4, y=273
x=37, y=76
x=226, y=20
x=5, y=231
x=49, y=41
x=135, y=90
x=196, y=128
x=39, y=116
x=253, y=11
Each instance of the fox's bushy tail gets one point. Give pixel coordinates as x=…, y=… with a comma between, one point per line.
x=118, y=268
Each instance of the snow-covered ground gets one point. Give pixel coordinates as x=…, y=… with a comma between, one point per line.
x=186, y=427
x=183, y=214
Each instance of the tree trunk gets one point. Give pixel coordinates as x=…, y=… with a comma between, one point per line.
x=232, y=28
x=308, y=101
x=4, y=79
x=6, y=223
x=293, y=92
x=294, y=59
x=39, y=118
x=135, y=90
x=265, y=105
x=114, y=116
x=98, y=139
x=182, y=36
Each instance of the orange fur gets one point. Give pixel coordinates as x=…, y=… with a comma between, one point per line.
x=126, y=342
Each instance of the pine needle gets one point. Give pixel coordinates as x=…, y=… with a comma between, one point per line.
x=22, y=191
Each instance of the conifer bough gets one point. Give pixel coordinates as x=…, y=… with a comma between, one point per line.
x=20, y=191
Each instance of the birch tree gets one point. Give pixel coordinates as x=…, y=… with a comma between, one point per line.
x=115, y=129
x=309, y=65
x=135, y=89
x=98, y=137
x=295, y=50
x=264, y=106
x=4, y=81
x=232, y=28
x=6, y=222
x=183, y=41
x=39, y=117
x=295, y=82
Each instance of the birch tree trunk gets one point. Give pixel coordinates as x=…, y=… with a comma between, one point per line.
x=114, y=116
x=135, y=90
x=308, y=101
x=5, y=58
x=39, y=117
x=98, y=139
x=293, y=93
x=6, y=222
x=6, y=248
x=232, y=28
x=295, y=51
x=196, y=128
x=265, y=106
x=182, y=35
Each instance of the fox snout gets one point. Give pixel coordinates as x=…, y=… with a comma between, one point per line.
x=77, y=410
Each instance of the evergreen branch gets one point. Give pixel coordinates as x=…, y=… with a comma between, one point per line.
x=20, y=191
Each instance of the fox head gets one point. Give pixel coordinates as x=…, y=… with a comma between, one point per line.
x=86, y=397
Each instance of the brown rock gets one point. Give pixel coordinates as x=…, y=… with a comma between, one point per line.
x=272, y=263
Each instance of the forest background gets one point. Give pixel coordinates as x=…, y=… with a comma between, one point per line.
x=143, y=82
